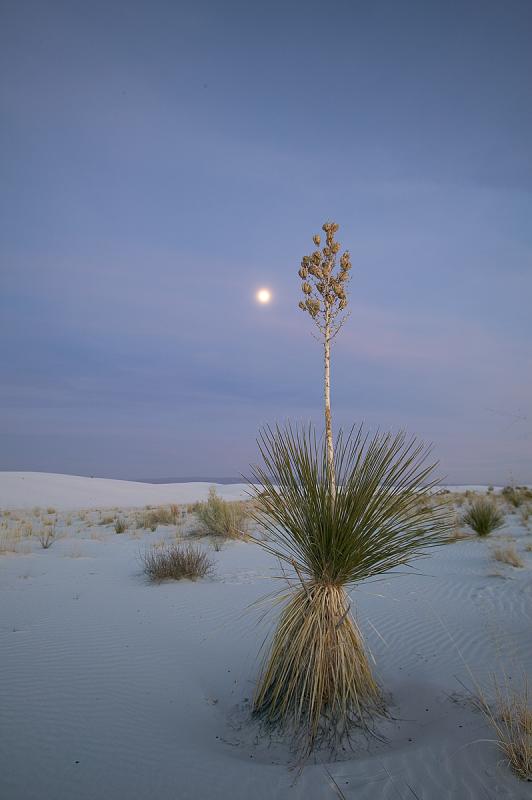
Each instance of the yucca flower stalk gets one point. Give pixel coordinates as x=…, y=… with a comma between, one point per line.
x=324, y=289
x=316, y=680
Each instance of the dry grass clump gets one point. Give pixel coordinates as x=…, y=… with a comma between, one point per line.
x=153, y=517
x=483, y=516
x=12, y=537
x=511, y=719
x=316, y=681
x=524, y=514
x=176, y=562
x=223, y=518
x=516, y=495
x=120, y=525
x=457, y=534
x=508, y=555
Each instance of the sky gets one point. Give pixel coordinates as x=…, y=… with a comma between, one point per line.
x=161, y=161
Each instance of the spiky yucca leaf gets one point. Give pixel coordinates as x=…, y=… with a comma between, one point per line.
x=374, y=521
x=317, y=678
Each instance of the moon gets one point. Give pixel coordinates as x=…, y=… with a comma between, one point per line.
x=264, y=296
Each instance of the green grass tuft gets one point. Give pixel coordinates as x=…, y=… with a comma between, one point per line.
x=483, y=517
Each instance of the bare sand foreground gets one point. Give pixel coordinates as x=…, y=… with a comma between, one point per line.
x=116, y=688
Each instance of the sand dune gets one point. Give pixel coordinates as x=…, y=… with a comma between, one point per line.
x=28, y=489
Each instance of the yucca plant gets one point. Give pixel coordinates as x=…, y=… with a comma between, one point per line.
x=333, y=529
x=483, y=516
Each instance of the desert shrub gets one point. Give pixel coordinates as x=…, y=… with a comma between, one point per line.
x=12, y=537
x=176, y=562
x=153, y=517
x=510, y=717
x=223, y=518
x=524, y=514
x=516, y=495
x=47, y=536
x=317, y=680
x=508, y=555
x=483, y=516
x=120, y=525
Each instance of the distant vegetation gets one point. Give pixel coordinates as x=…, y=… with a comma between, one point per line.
x=120, y=525
x=516, y=495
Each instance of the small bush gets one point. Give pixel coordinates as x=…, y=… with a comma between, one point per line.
x=483, y=516
x=176, y=562
x=157, y=516
x=120, y=525
x=516, y=495
x=220, y=517
x=47, y=536
x=508, y=555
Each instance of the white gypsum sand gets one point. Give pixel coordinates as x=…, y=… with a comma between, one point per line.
x=29, y=489
x=113, y=687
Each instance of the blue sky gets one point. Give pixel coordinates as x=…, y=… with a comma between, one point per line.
x=162, y=160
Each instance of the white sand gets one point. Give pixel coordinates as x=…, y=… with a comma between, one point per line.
x=113, y=688
x=29, y=489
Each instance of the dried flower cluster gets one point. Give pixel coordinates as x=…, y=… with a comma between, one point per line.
x=324, y=287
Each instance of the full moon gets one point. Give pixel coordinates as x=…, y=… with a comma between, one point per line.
x=264, y=295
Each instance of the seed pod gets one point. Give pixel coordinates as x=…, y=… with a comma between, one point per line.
x=335, y=247
x=302, y=305
x=303, y=272
x=313, y=306
x=343, y=304
x=307, y=288
x=316, y=239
